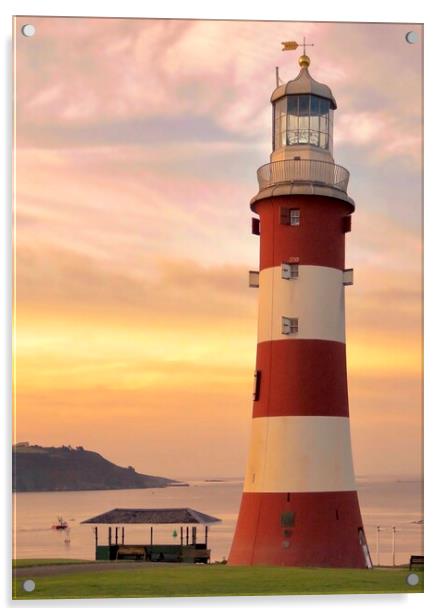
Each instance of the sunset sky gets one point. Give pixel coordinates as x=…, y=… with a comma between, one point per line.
x=137, y=144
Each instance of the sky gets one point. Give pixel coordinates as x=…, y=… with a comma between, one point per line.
x=137, y=144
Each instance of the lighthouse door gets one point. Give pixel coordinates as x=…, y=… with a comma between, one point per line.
x=365, y=550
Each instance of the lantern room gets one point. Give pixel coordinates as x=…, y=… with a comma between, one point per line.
x=303, y=118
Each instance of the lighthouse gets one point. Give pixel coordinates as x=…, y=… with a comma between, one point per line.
x=300, y=505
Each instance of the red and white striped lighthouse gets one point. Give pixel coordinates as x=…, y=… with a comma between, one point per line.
x=300, y=505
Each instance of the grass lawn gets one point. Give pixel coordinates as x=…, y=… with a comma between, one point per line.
x=35, y=562
x=221, y=580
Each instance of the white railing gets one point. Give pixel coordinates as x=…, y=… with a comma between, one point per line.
x=303, y=171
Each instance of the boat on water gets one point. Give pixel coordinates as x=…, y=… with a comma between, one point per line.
x=61, y=524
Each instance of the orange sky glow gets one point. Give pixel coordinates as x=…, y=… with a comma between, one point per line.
x=137, y=144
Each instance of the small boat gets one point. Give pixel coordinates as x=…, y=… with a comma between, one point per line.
x=61, y=524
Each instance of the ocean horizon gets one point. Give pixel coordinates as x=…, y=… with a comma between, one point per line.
x=386, y=502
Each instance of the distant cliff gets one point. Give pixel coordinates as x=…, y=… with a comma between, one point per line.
x=50, y=469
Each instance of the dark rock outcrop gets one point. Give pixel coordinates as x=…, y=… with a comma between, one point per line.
x=49, y=469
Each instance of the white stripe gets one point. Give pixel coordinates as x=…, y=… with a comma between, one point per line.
x=300, y=454
x=315, y=298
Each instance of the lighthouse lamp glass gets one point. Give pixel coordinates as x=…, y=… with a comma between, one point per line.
x=302, y=119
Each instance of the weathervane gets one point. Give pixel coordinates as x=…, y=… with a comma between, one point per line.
x=292, y=45
x=304, y=61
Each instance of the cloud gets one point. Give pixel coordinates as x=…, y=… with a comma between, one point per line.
x=384, y=134
x=150, y=131
x=116, y=205
x=138, y=142
x=145, y=81
x=118, y=68
x=49, y=278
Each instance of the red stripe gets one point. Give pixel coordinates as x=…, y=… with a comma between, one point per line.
x=318, y=240
x=301, y=377
x=325, y=531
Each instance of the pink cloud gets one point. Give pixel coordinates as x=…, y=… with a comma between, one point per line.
x=92, y=201
x=79, y=71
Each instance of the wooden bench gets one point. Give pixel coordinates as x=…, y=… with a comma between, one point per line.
x=131, y=552
x=416, y=560
x=164, y=553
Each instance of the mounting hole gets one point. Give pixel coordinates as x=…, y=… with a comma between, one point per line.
x=29, y=585
x=28, y=30
x=411, y=37
x=412, y=579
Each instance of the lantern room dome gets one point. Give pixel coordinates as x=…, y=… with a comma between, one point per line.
x=304, y=84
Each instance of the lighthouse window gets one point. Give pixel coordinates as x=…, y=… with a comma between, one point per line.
x=287, y=519
x=257, y=387
x=253, y=279
x=347, y=278
x=295, y=216
x=302, y=119
x=314, y=113
x=289, y=216
x=289, y=326
x=289, y=270
x=280, y=126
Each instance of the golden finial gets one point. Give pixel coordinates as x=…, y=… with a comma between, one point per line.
x=304, y=61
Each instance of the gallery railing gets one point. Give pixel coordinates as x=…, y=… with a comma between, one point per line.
x=303, y=171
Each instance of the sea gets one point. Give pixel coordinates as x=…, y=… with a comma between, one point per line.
x=392, y=511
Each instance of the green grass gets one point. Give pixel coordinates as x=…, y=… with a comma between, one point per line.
x=37, y=562
x=200, y=580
